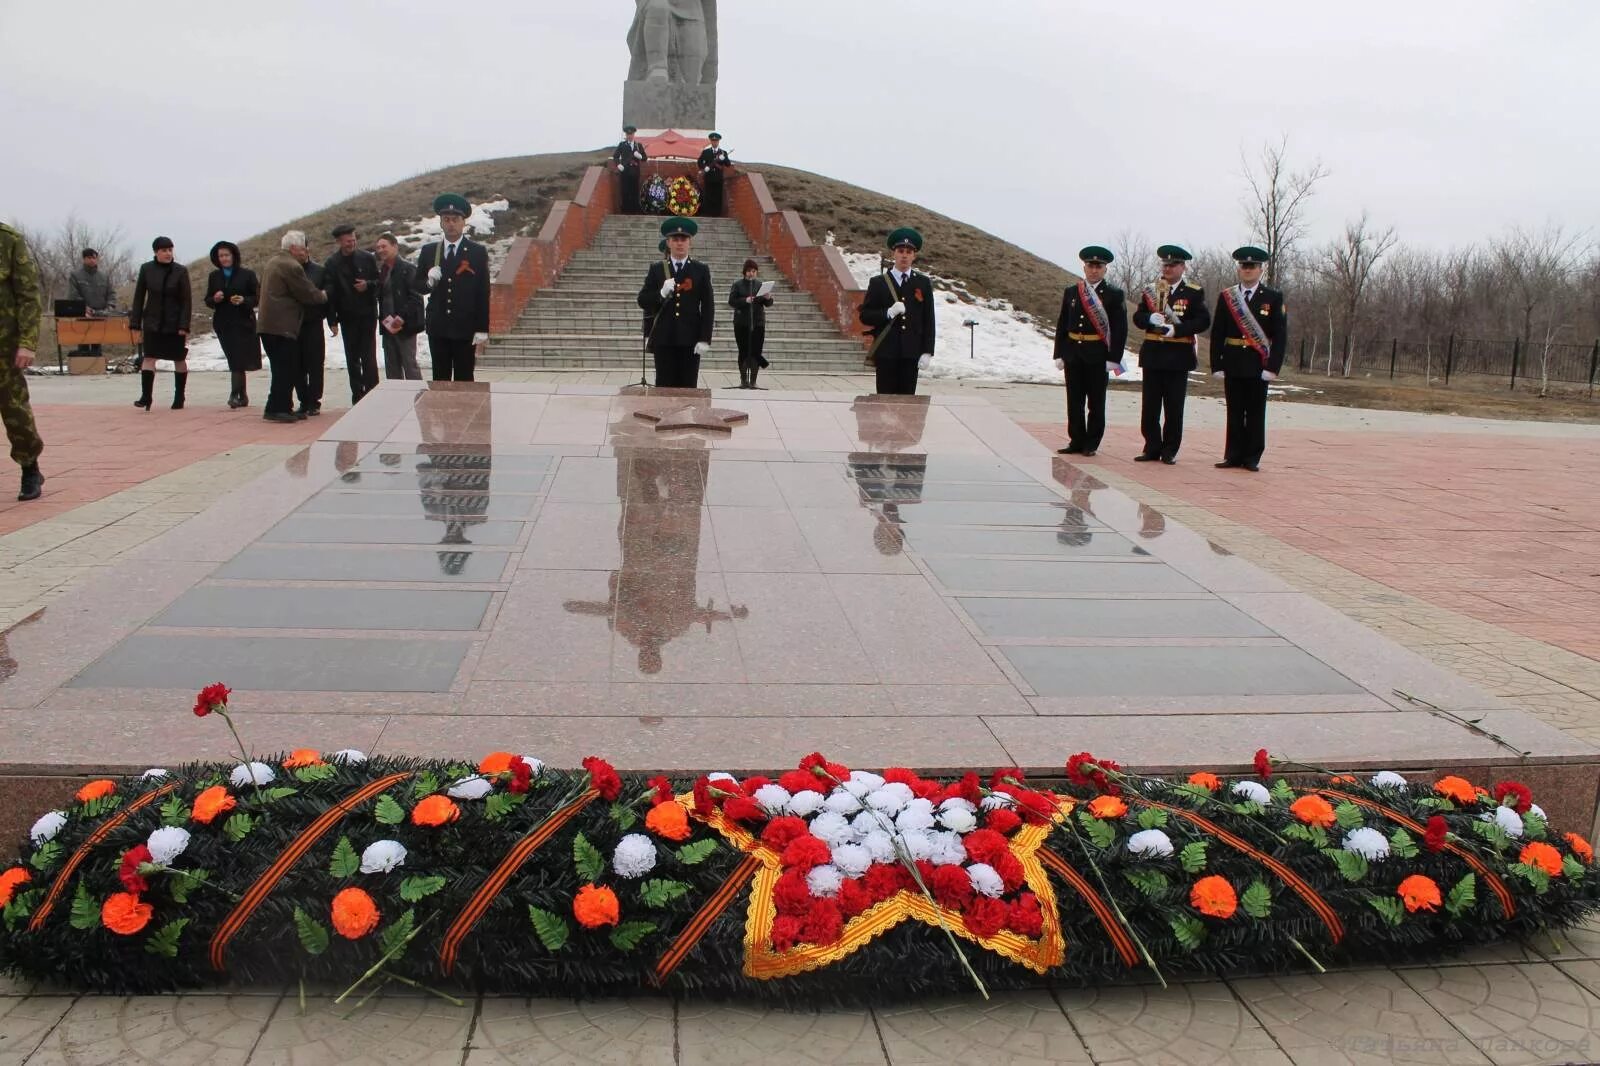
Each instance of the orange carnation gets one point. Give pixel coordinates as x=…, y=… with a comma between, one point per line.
x=496, y=762
x=1456, y=788
x=212, y=802
x=96, y=790
x=1419, y=893
x=1342, y=779
x=435, y=810
x=10, y=881
x=1541, y=856
x=1206, y=780
x=596, y=906
x=1107, y=807
x=1313, y=810
x=1580, y=847
x=302, y=757
x=1213, y=897
x=668, y=820
x=354, y=914
x=123, y=913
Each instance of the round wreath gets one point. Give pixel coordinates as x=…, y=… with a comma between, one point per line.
x=653, y=198
x=683, y=198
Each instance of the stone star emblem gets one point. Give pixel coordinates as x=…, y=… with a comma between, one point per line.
x=697, y=416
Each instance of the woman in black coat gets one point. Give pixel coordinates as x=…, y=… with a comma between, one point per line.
x=159, y=319
x=749, y=323
x=233, y=292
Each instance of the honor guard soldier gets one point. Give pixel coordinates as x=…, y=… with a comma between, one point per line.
x=677, y=295
x=456, y=271
x=898, y=311
x=1248, y=341
x=1091, y=334
x=713, y=161
x=1172, y=314
x=627, y=159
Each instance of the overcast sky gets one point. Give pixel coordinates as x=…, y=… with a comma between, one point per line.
x=1052, y=123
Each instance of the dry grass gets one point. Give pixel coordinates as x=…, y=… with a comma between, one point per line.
x=1475, y=396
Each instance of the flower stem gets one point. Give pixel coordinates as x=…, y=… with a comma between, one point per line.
x=1115, y=906
x=419, y=986
x=1310, y=957
x=242, y=753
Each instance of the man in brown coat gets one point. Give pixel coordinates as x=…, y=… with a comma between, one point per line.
x=285, y=293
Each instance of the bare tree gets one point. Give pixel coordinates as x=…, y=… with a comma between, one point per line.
x=1275, y=202
x=1537, y=269
x=1135, y=262
x=1348, y=263
x=58, y=252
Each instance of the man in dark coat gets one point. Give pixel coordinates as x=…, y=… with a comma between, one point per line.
x=1172, y=314
x=400, y=311
x=1091, y=334
x=313, y=341
x=898, y=311
x=713, y=161
x=626, y=158
x=351, y=277
x=455, y=271
x=1249, y=336
x=677, y=295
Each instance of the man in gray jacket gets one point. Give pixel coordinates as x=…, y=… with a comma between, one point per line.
x=91, y=285
x=285, y=294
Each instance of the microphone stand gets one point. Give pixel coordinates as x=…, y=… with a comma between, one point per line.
x=644, y=346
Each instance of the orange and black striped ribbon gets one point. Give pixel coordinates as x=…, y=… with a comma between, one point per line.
x=1323, y=909
x=297, y=848
x=1113, y=926
x=705, y=916
x=496, y=881
x=1497, y=886
x=94, y=840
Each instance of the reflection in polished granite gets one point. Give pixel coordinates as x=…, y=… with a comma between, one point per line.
x=450, y=479
x=1002, y=616
x=293, y=664
x=1017, y=575
x=965, y=540
x=301, y=562
x=956, y=491
x=945, y=513
x=386, y=458
x=349, y=529
x=238, y=607
x=942, y=467
x=1175, y=671
x=498, y=505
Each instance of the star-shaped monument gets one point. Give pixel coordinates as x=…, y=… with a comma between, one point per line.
x=695, y=416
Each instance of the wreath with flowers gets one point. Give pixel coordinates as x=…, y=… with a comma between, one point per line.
x=653, y=197
x=816, y=883
x=683, y=198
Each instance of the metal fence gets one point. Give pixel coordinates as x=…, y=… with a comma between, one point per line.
x=1447, y=357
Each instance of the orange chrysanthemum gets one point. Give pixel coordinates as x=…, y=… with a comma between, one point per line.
x=1107, y=807
x=212, y=802
x=595, y=906
x=1580, y=847
x=496, y=762
x=354, y=914
x=1419, y=893
x=1313, y=810
x=1206, y=780
x=122, y=913
x=1213, y=897
x=1455, y=788
x=668, y=820
x=96, y=790
x=435, y=810
x=302, y=757
x=1342, y=779
x=12, y=880
x=1541, y=856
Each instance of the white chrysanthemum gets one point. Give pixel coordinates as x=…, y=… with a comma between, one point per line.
x=841, y=802
x=721, y=776
x=155, y=773
x=947, y=849
x=1252, y=792
x=774, y=799
x=986, y=880
x=470, y=788
x=824, y=881
x=880, y=845
x=805, y=804
x=381, y=856
x=1507, y=819
x=1367, y=843
x=860, y=782
x=914, y=817
x=262, y=772
x=48, y=825
x=996, y=800
x=167, y=843
x=958, y=802
x=958, y=820
x=1534, y=808
x=1152, y=842
x=635, y=856
x=852, y=859
x=917, y=844
x=1389, y=779
x=833, y=829
x=349, y=757
x=887, y=800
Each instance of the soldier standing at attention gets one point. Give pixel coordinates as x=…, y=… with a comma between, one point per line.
x=898, y=308
x=1090, y=337
x=1172, y=313
x=1248, y=341
x=19, y=336
x=456, y=271
x=681, y=307
x=627, y=157
x=713, y=161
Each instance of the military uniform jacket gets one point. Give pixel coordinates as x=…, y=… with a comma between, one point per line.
x=1075, y=320
x=683, y=319
x=459, y=304
x=1241, y=360
x=1194, y=318
x=713, y=160
x=910, y=335
x=629, y=155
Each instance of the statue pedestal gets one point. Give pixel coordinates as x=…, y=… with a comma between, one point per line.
x=662, y=105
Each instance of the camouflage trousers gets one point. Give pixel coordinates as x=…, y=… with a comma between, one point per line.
x=17, y=414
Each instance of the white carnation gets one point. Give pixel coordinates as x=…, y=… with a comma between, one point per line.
x=774, y=799
x=880, y=845
x=917, y=844
x=914, y=818
x=986, y=880
x=804, y=804
x=824, y=881
x=841, y=802
x=381, y=856
x=958, y=803
x=996, y=800
x=947, y=849
x=1389, y=779
x=961, y=821
x=1367, y=843
x=866, y=822
x=1253, y=792
x=167, y=843
x=470, y=788
x=242, y=773
x=349, y=757
x=635, y=856
x=48, y=825
x=852, y=860
x=1534, y=808
x=721, y=776
x=887, y=800
x=1150, y=842
x=859, y=783
x=535, y=766
x=1507, y=819
x=832, y=829
x=155, y=773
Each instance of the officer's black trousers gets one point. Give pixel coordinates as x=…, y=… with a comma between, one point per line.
x=897, y=377
x=360, y=356
x=453, y=358
x=1164, y=392
x=677, y=366
x=1086, y=394
x=287, y=374
x=1247, y=419
x=628, y=190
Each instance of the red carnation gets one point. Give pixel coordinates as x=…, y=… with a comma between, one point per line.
x=885, y=879
x=790, y=893
x=1075, y=769
x=823, y=923
x=951, y=886
x=820, y=767
x=129, y=873
x=1010, y=775
x=805, y=852
x=1002, y=820
x=521, y=775
x=926, y=789
x=782, y=830
x=924, y=870
x=985, y=845
x=742, y=809
x=899, y=774
x=603, y=778
x=1263, y=764
x=1513, y=794
x=1009, y=867
x=1025, y=917
x=1036, y=808
x=1434, y=834
x=800, y=781
x=663, y=793
x=968, y=788
x=854, y=897
x=785, y=932
x=984, y=917
x=750, y=784
x=211, y=698
x=703, y=803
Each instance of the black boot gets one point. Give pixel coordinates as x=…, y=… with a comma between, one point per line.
x=236, y=393
x=744, y=374
x=755, y=368
x=180, y=381
x=147, y=383
x=32, y=483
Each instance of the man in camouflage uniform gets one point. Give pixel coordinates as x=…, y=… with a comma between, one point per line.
x=19, y=336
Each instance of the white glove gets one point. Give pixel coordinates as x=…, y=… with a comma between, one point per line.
x=620, y=167
x=1061, y=364
x=896, y=309
x=1168, y=330
x=434, y=274
x=925, y=362
x=1113, y=368
x=1267, y=375
x=1158, y=320
x=1219, y=375
x=667, y=286
x=480, y=338
x=701, y=348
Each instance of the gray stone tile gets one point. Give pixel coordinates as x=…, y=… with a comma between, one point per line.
x=1016, y=617
x=171, y=1030
x=415, y=1030
x=939, y=467
x=301, y=664
x=957, y=491
x=1174, y=671
x=1515, y=1014
x=446, y=480
x=1018, y=575
x=350, y=529
x=910, y=633
x=25, y=1022
x=737, y=1032
x=558, y=1032
x=937, y=513
x=428, y=503
x=967, y=540
x=233, y=607
x=261, y=562
x=387, y=458
x=1009, y=1029
x=1182, y=1025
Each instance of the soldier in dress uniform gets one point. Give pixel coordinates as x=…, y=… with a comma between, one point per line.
x=19, y=336
x=456, y=271
x=677, y=294
x=1249, y=336
x=627, y=158
x=1091, y=334
x=713, y=161
x=898, y=309
x=1172, y=314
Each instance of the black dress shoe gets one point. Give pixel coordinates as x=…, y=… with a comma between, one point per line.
x=32, y=483
x=1226, y=464
x=1087, y=452
x=1071, y=449
x=279, y=416
x=1254, y=468
x=1142, y=458
x=1170, y=460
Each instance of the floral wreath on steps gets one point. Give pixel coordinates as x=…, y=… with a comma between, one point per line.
x=683, y=197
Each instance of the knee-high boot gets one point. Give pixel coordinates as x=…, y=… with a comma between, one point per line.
x=236, y=397
x=147, y=383
x=180, y=381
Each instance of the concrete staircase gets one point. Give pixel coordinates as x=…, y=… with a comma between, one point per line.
x=589, y=319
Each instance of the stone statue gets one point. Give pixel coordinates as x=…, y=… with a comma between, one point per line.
x=674, y=41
